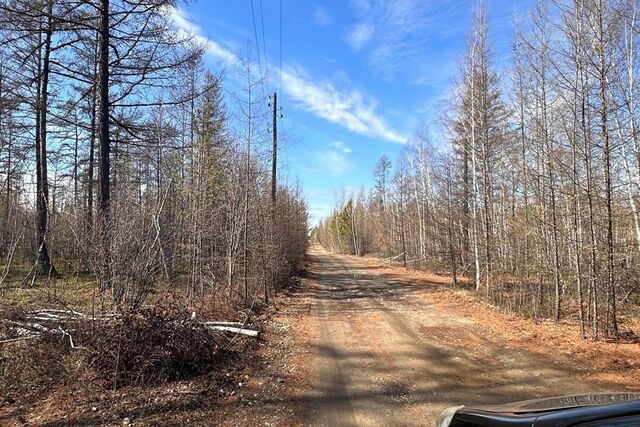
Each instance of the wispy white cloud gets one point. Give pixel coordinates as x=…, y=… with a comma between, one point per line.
x=346, y=108
x=336, y=162
x=361, y=6
x=360, y=35
x=340, y=146
x=321, y=16
x=406, y=31
x=188, y=28
x=350, y=108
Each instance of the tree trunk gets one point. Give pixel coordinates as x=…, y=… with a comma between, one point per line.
x=43, y=264
x=104, y=167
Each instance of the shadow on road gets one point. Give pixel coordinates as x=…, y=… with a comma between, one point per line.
x=383, y=357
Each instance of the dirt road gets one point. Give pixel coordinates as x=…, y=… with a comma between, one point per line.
x=372, y=352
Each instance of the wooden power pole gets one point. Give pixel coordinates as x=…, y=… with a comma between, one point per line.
x=274, y=166
x=274, y=154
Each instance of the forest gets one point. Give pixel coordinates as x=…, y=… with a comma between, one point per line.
x=124, y=162
x=527, y=186
x=142, y=209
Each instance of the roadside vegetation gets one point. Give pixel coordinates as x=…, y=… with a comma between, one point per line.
x=143, y=226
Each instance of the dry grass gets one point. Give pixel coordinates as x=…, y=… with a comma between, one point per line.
x=77, y=293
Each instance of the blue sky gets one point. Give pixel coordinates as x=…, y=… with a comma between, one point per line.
x=358, y=76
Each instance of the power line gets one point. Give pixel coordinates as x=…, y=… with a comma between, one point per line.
x=264, y=46
x=280, y=46
x=255, y=33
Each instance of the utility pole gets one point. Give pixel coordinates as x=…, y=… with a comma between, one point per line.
x=274, y=153
x=274, y=165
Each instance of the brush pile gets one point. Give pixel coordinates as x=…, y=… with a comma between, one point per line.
x=150, y=346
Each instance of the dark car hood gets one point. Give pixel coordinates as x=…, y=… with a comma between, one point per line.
x=556, y=403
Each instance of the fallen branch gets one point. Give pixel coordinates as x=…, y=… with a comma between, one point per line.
x=36, y=323
x=26, y=325
x=217, y=323
x=239, y=331
x=73, y=346
x=395, y=257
